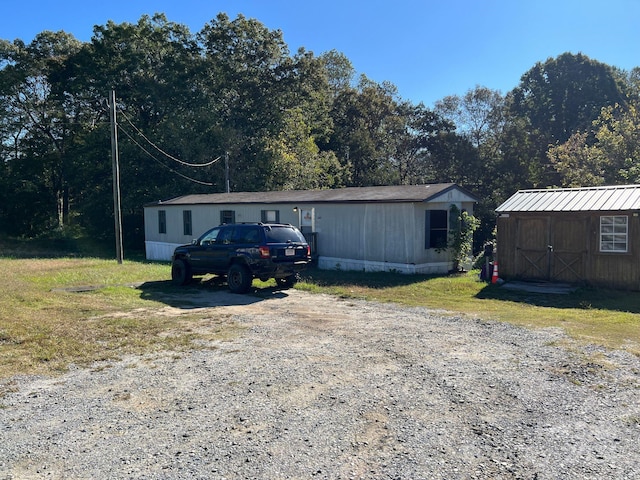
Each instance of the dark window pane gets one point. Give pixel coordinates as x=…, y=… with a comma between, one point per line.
x=162, y=221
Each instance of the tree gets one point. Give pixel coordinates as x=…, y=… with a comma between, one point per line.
x=40, y=122
x=298, y=162
x=417, y=142
x=366, y=121
x=559, y=97
x=565, y=94
x=608, y=154
x=153, y=66
x=339, y=71
x=579, y=164
x=479, y=115
x=618, y=136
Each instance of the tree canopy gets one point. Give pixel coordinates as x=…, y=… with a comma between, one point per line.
x=284, y=120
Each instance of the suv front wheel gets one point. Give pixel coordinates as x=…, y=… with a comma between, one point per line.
x=239, y=278
x=180, y=272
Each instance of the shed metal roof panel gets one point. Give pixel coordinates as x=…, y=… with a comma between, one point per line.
x=610, y=198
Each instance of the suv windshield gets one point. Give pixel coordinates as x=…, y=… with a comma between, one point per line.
x=284, y=235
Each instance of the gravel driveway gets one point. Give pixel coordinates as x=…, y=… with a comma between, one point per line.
x=319, y=387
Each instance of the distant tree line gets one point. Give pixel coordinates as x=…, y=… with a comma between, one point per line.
x=286, y=121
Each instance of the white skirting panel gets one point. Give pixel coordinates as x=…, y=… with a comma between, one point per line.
x=331, y=263
x=159, y=250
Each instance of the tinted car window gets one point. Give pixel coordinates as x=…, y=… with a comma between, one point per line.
x=225, y=236
x=283, y=235
x=247, y=235
x=209, y=237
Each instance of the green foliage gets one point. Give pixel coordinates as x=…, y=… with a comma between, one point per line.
x=299, y=164
x=461, y=228
x=608, y=154
x=286, y=121
x=558, y=98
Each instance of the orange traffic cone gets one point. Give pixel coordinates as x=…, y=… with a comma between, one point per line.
x=494, y=276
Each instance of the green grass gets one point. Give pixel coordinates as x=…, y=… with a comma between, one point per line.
x=606, y=317
x=46, y=325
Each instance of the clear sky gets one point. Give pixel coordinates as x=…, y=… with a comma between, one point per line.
x=427, y=48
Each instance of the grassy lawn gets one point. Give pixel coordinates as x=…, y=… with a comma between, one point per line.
x=45, y=326
x=605, y=317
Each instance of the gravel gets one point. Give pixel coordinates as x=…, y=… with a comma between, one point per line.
x=326, y=388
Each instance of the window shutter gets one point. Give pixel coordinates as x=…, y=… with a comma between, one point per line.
x=427, y=229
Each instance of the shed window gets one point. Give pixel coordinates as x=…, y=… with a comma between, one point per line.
x=227, y=216
x=162, y=221
x=186, y=222
x=614, y=233
x=436, y=229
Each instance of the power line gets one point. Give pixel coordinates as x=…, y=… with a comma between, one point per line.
x=162, y=151
x=165, y=166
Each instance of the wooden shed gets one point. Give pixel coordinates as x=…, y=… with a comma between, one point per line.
x=360, y=228
x=575, y=235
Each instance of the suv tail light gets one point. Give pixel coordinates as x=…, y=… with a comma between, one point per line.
x=308, y=251
x=265, y=252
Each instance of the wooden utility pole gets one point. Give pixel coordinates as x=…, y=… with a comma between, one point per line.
x=116, y=177
x=226, y=172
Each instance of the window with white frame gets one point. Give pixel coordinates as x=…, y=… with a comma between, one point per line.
x=227, y=216
x=614, y=233
x=270, y=216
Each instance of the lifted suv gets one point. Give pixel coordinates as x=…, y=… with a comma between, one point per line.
x=242, y=252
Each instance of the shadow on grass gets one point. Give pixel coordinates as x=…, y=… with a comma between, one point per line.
x=585, y=298
x=204, y=293
x=375, y=280
x=60, y=247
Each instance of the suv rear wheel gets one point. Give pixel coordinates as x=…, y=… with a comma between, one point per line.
x=239, y=278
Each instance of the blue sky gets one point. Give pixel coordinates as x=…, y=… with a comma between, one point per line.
x=428, y=49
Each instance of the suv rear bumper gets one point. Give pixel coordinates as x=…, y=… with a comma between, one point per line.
x=278, y=270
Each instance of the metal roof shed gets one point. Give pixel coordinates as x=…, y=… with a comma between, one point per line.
x=584, y=235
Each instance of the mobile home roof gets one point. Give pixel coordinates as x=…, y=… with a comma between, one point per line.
x=383, y=194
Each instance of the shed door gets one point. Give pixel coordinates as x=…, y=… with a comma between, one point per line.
x=532, y=248
x=569, y=237
x=552, y=248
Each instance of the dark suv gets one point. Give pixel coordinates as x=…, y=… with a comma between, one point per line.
x=242, y=252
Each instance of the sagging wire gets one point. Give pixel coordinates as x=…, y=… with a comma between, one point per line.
x=165, y=166
x=162, y=151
